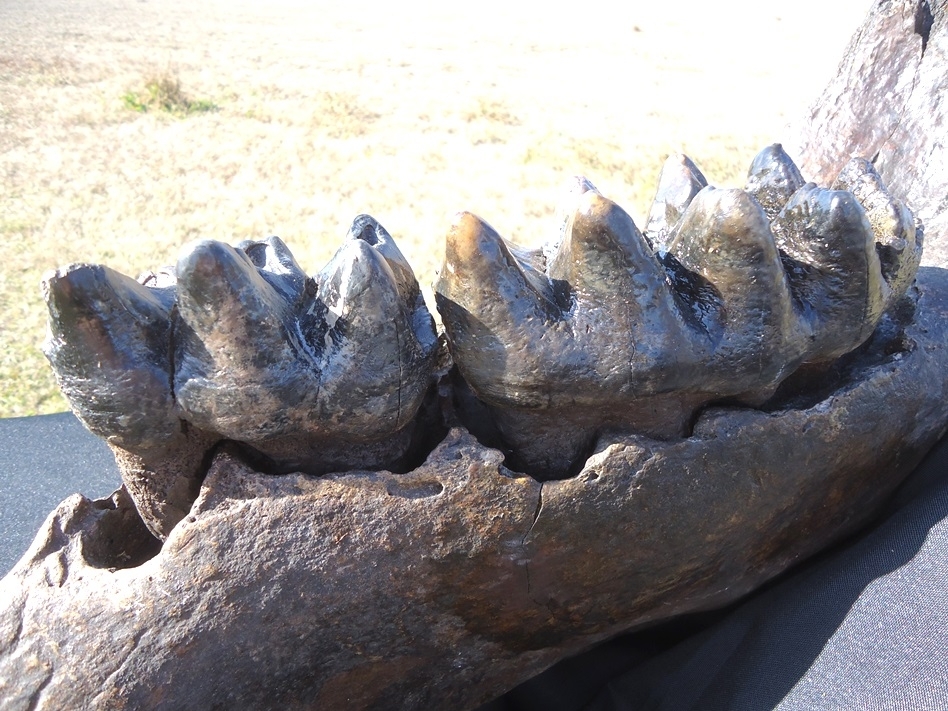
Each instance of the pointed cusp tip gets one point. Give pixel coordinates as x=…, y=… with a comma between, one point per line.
x=75, y=283
x=207, y=258
x=471, y=239
x=362, y=266
x=366, y=228
x=578, y=185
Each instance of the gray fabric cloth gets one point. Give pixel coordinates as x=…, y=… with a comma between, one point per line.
x=42, y=461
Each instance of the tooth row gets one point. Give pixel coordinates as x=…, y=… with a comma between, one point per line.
x=239, y=344
x=728, y=293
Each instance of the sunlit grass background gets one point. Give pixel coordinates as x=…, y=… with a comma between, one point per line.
x=130, y=127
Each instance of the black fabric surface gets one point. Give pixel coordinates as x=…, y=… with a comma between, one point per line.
x=862, y=626
x=42, y=461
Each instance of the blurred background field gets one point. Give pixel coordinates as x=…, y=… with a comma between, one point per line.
x=131, y=127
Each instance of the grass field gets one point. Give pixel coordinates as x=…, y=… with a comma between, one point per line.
x=130, y=127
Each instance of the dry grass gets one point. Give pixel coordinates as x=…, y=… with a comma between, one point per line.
x=409, y=112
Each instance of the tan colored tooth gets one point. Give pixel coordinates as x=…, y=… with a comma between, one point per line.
x=832, y=267
x=678, y=183
x=495, y=313
x=725, y=238
x=898, y=239
x=773, y=178
x=619, y=288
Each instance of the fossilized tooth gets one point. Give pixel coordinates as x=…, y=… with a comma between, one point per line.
x=605, y=334
x=261, y=363
x=109, y=342
x=239, y=344
x=678, y=183
x=898, y=238
x=829, y=252
x=773, y=177
x=109, y=338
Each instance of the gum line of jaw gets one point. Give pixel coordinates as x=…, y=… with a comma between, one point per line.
x=603, y=329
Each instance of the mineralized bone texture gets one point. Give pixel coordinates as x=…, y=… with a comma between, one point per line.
x=730, y=292
x=445, y=586
x=238, y=344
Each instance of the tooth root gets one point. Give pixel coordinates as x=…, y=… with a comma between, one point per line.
x=495, y=316
x=678, y=183
x=623, y=307
x=725, y=238
x=898, y=241
x=109, y=345
x=832, y=267
x=773, y=178
x=235, y=353
x=375, y=370
x=277, y=266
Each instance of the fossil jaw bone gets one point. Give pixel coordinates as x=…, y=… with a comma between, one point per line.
x=604, y=329
x=239, y=344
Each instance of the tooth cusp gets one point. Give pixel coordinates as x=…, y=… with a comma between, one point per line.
x=898, y=238
x=678, y=183
x=773, y=178
x=109, y=344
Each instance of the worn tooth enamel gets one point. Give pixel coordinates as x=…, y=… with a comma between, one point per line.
x=236, y=345
x=725, y=238
x=607, y=334
x=898, y=239
x=277, y=266
x=109, y=342
x=678, y=183
x=254, y=367
x=605, y=255
x=830, y=257
x=773, y=178
x=505, y=317
x=110, y=345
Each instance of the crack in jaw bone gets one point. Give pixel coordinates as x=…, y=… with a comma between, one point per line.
x=729, y=293
x=314, y=374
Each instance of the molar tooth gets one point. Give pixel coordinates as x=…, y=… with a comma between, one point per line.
x=236, y=345
x=898, y=240
x=773, y=178
x=678, y=183
x=498, y=315
x=109, y=345
x=725, y=238
x=369, y=356
x=832, y=266
x=619, y=287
